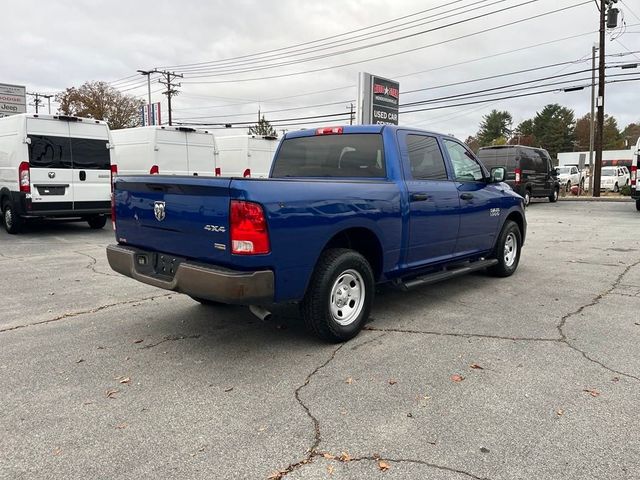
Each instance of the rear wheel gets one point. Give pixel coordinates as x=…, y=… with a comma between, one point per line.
x=12, y=221
x=638, y=204
x=507, y=250
x=568, y=187
x=339, y=296
x=616, y=188
x=97, y=222
x=527, y=197
x=554, y=195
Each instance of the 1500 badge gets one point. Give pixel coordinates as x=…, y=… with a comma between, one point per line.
x=215, y=228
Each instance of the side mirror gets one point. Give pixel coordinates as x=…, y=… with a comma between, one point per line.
x=498, y=174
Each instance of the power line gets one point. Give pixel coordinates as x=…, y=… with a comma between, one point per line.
x=391, y=54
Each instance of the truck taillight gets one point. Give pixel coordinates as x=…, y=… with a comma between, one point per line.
x=518, y=176
x=329, y=131
x=249, y=235
x=634, y=175
x=218, y=172
x=114, y=172
x=24, y=177
x=154, y=170
x=113, y=210
x=246, y=173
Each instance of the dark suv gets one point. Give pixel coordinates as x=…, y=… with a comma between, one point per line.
x=529, y=170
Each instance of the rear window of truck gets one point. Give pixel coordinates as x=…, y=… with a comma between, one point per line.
x=347, y=155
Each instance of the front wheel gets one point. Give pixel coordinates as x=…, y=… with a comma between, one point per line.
x=339, y=296
x=507, y=250
x=638, y=204
x=12, y=221
x=554, y=195
x=527, y=198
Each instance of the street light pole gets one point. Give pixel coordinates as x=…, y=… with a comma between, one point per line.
x=148, y=74
x=591, y=119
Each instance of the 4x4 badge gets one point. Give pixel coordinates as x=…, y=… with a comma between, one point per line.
x=158, y=211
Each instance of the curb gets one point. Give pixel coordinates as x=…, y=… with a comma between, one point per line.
x=595, y=199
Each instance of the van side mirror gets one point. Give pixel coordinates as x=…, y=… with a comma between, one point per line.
x=498, y=174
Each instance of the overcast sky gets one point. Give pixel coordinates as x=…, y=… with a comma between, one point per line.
x=51, y=45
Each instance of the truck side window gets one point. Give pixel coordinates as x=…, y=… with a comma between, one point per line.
x=425, y=158
x=465, y=167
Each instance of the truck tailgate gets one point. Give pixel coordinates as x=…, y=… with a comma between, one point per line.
x=174, y=215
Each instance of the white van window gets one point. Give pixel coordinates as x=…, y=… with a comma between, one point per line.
x=46, y=151
x=89, y=154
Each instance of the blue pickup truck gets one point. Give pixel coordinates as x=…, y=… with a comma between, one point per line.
x=344, y=208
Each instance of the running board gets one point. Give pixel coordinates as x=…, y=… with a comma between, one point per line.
x=446, y=274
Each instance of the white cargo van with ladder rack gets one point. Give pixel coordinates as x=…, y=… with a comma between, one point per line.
x=54, y=166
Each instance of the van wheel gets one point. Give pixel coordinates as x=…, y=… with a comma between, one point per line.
x=12, y=221
x=97, y=222
x=339, y=296
x=507, y=250
x=554, y=195
x=527, y=198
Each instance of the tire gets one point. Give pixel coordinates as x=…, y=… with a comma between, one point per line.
x=638, y=204
x=97, y=222
x=553, y=198
x=12, y=221
x=507, y=250
x=527, y=197
x=209, y=303
x=568, y=186
x=616, y=189
x=339, y=297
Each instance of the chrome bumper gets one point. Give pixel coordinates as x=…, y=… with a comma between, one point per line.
x=197, y=280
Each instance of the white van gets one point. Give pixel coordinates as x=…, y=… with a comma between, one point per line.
x=164, y=150
x=54, y=166
x=635, y=180
x=245, y=155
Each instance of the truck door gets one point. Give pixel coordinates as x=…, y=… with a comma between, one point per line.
x=91, y=171
x=50, y=165
x=433, y=200
x=480, y=201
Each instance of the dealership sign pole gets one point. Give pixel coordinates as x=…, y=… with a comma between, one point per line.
x=378, y=100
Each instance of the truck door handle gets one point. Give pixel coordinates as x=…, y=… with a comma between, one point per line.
x=83, y=175
x=466, y=196
x=419, y=197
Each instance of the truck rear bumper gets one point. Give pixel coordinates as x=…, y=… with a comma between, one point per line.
x=194, y=279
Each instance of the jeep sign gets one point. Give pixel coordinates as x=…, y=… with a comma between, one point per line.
x=12, y=99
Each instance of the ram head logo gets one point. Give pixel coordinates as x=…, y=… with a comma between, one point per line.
x=159, y=211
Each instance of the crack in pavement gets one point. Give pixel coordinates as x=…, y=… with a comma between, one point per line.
x=92, y=265
x=462, y=335
x=377, y=458
x=82, y=312
x=170, y=338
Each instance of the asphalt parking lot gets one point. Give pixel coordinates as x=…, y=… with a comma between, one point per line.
x=536, y=376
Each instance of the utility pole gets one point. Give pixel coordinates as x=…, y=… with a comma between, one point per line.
x=171, y=87
x=350, y=108
x=48, y=97
x=591, y=119
x=36, y=100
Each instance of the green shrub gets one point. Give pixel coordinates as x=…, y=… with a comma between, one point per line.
x=626, y=191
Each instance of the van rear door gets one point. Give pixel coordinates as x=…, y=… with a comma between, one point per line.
x=91, y=170
x=200, y=154
x=50, y=164
x=172, y=152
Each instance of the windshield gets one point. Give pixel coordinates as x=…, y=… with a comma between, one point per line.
x=562, y=170
x=608, y=172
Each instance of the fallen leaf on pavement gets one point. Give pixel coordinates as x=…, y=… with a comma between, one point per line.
x=330, y=469
x=122, y=426
x=112, y=392
x=124, y=380
x=476, y=366
x=383, y=466
x=349, y=381
x=228, y=389
x=80, y=360
x=277, y=475
x=560, y=412
x=57, y=451
x=457, y=378
x=615, y=379
x=139, y=340
x=328, y=456
x=592, y=392
x=392, y=382
x=344, y=457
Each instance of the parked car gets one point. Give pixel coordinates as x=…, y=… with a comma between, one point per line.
x=529, y=170
x=344, y=208
x=614, y=178
x=54, y=166
x=633, y=180
x=569, y=175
